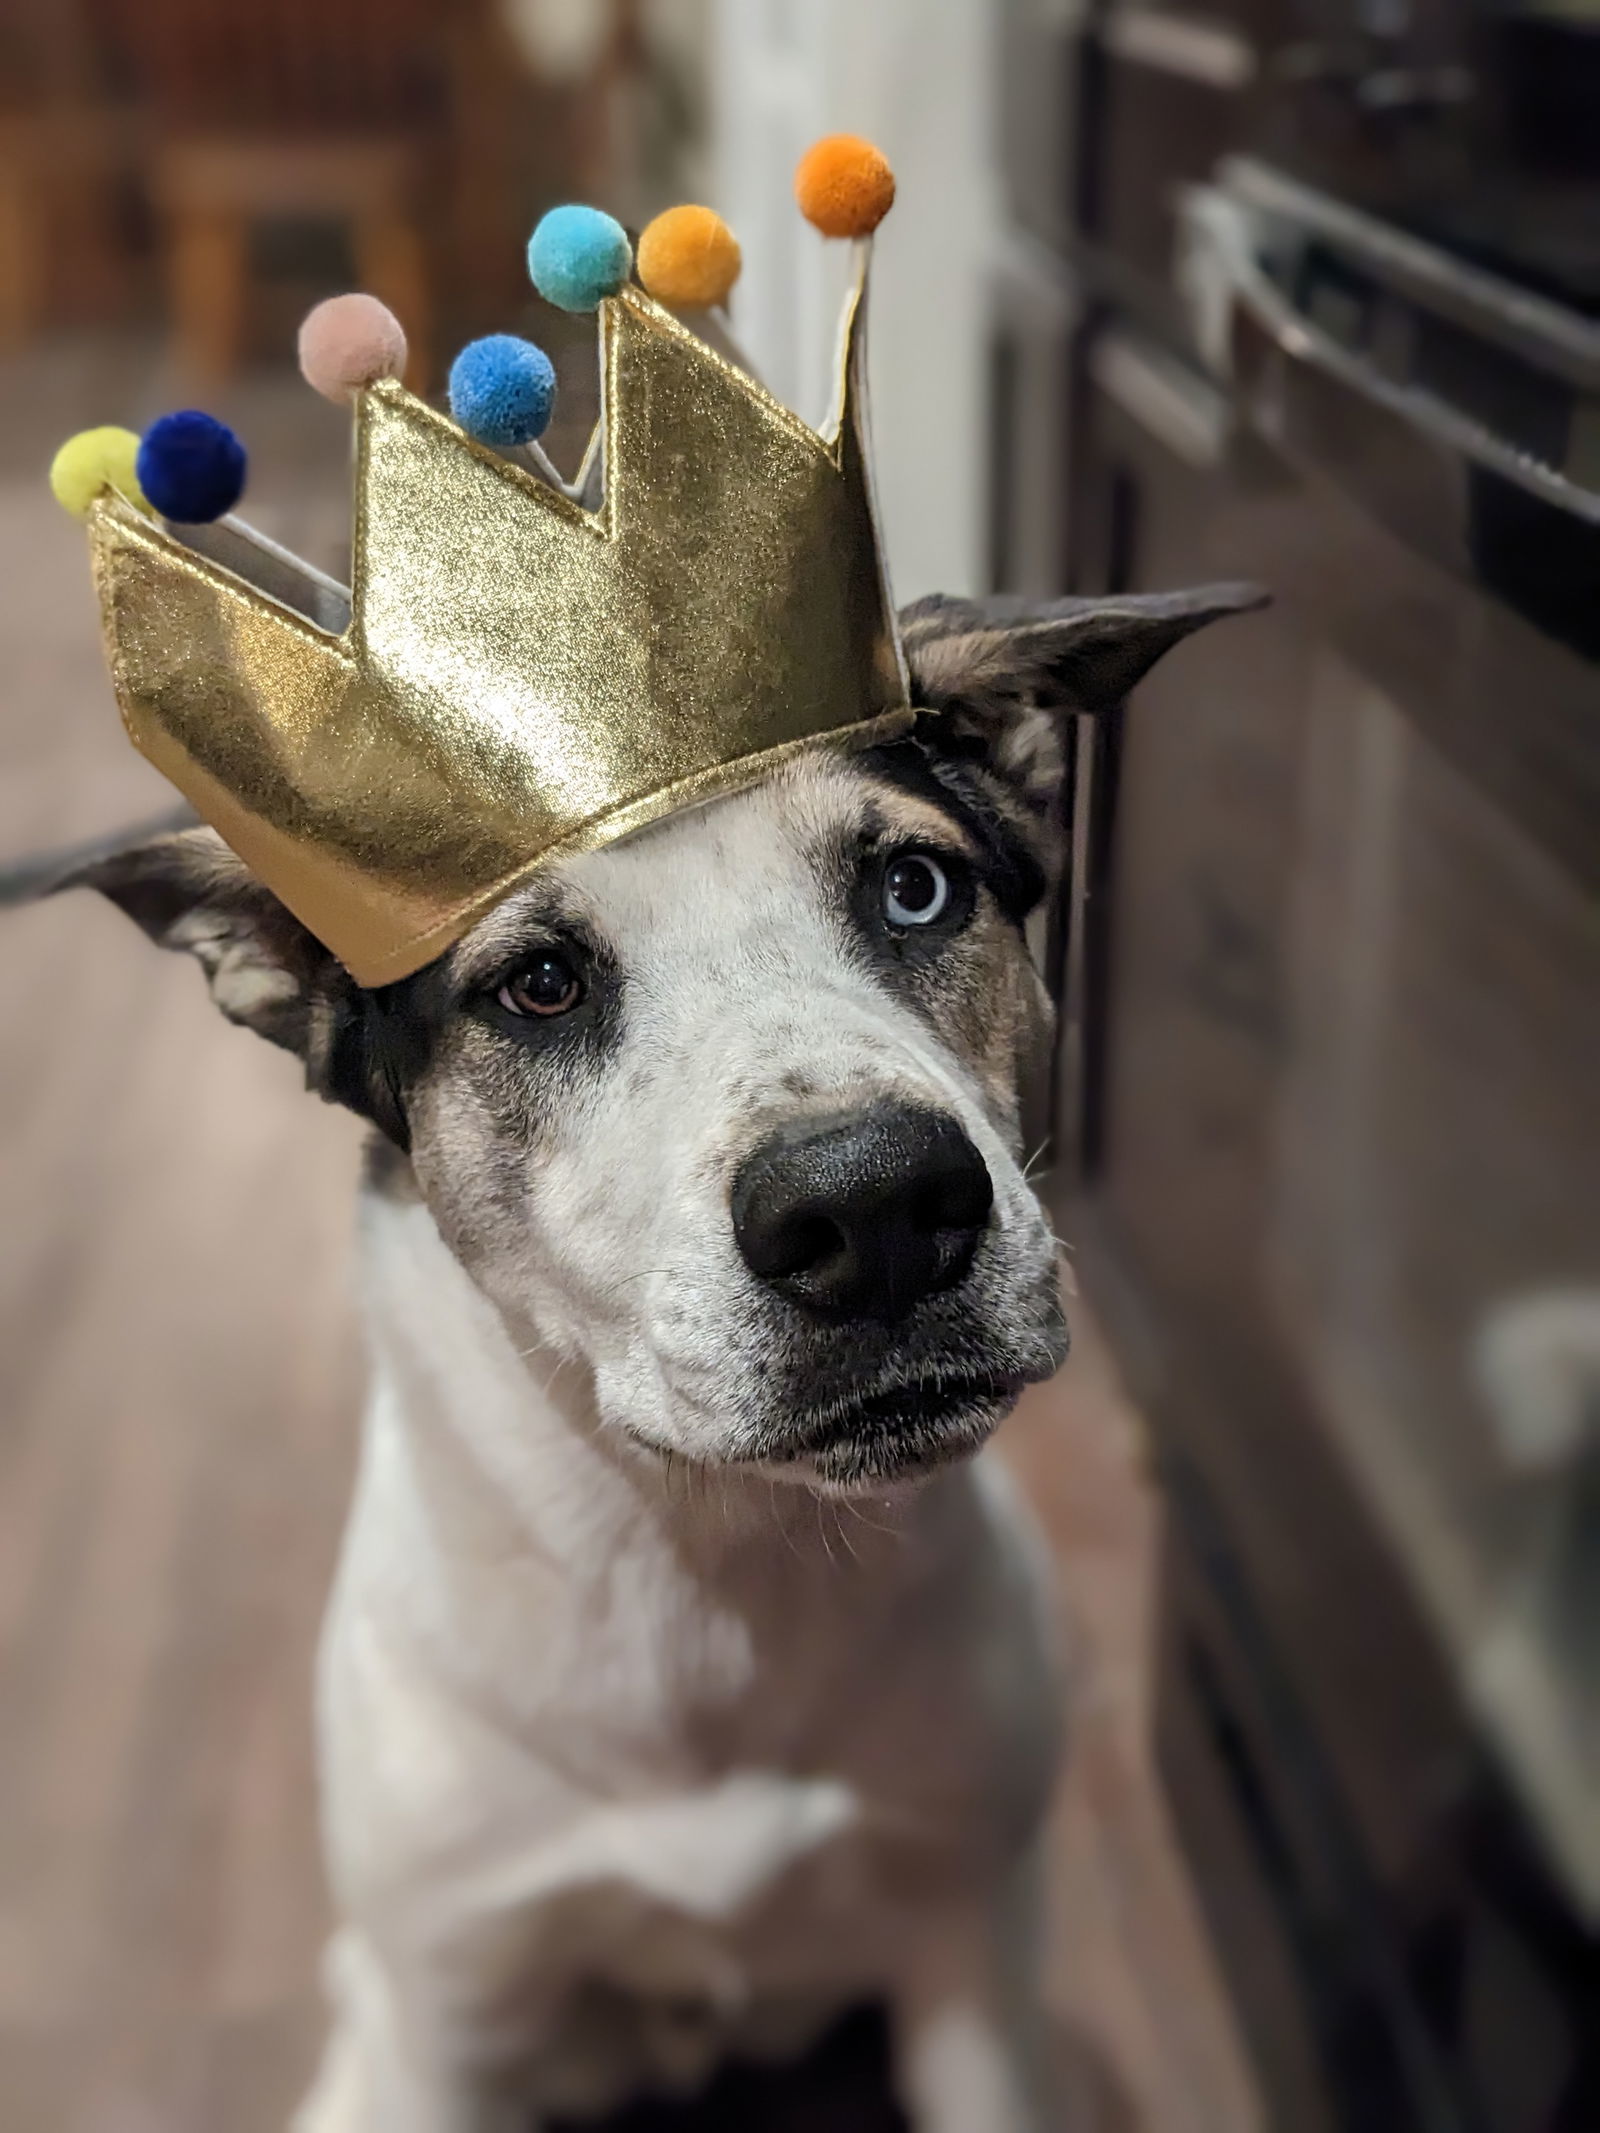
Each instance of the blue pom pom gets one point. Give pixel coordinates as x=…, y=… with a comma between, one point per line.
x=191, y=466
x=502, y=390
x=578, y=255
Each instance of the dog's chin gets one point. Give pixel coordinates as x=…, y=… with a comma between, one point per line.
x=896, y=1436
x=891, y=1428
x=871, y=1443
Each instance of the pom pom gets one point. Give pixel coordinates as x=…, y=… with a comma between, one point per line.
x=347, y=342
x=502, y=390
x=844, y=186
x=96, y=460
x=191, y=466
x=577, y=255
x=689, y=256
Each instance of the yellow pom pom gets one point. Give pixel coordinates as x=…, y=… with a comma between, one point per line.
x=688, y=256
x=92, y=461
x=844, y=186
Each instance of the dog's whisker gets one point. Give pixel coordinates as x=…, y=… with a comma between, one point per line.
x=890, y=1532
x=838, y=1521
x=822, y=1532
x=624, y=1281
x=780, y=1520
x=1036, y=1157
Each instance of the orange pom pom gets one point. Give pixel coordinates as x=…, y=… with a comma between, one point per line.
x=688, y=256
x=844, y=186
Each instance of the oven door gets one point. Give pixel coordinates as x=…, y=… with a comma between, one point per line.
x=1329, y=1090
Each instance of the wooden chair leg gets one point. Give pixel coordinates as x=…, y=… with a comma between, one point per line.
x=391, y=264
x=21, y=259
x=207, y=263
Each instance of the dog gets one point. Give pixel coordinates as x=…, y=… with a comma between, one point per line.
x=686, y=1679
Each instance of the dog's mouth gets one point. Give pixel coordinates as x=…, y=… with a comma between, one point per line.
x=901, y=1430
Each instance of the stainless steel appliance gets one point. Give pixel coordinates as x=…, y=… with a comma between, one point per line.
x=1329, y=1093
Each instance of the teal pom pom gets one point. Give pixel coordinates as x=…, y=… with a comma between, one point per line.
x=502, y=390
x=577, y=255
x=191, y=466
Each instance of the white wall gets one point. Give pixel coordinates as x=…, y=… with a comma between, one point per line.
x=919, y=77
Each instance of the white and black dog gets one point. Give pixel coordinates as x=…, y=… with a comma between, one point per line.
x=684, y=1682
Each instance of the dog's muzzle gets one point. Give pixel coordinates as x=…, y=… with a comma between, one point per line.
x=861, y=1217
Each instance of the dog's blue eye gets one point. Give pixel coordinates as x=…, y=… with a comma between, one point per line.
x=546, y=985
x=916, y=890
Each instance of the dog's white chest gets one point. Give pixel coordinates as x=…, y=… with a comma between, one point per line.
x=730, y=1917
x=615, y=1791
x=637, y=1944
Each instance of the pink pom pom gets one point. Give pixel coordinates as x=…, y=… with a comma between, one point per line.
x=347, y=342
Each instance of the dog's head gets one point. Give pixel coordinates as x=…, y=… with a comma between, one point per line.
x=729, y=1111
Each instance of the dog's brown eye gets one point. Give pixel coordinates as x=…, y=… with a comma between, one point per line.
x=916, y=890
x=547, y=986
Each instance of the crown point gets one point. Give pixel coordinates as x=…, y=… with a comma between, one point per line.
x=502, y=390
x=191, y=466
x=844, y=186
x=577, y=256
x=350, y=341
x=689, y=256
x=94, y=460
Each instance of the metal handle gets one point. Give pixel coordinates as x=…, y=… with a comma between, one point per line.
x=1219, y=272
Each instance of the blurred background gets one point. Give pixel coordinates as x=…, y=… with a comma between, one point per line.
x=1301, y=290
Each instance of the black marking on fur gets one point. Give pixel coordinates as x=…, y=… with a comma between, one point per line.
x=409, y=1024
x=962, y=790
x=359, y=1065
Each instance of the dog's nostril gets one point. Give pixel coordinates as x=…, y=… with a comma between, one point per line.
x=864, y=1216
x=796, y=1245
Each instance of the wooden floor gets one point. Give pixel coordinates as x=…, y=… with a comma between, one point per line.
x=179, y=1378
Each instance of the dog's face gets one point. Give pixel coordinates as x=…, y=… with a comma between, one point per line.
x=729, y=1112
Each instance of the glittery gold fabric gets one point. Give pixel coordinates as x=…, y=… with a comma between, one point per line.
x=520, y=678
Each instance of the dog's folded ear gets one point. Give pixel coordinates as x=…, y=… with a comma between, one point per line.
x=189, y=893
x=1003, y=674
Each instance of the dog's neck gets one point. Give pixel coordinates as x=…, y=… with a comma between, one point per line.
x=493, y=1464
x=587, y=1590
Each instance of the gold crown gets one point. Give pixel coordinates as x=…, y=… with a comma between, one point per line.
x=519, y=677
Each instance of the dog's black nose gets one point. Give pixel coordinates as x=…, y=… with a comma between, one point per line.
x=862, y=1217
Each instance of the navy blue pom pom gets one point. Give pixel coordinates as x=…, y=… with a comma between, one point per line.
x=502, y=390
x=191, y=466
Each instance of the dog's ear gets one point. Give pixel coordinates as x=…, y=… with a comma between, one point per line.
x=189, y=892
x=1002, y=675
